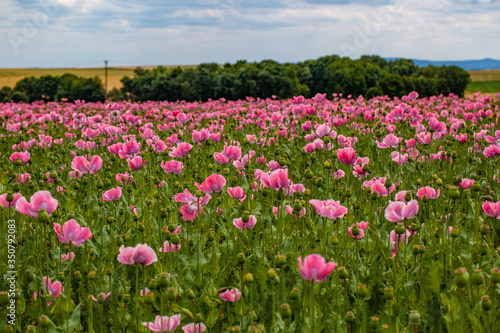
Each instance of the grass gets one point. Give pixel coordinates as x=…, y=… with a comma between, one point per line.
x=484, y=86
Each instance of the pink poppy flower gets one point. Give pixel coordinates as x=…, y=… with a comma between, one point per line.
x=172, y=167
x=112, y=195
x=130, y=150
x=232, y=152
x=6, y=204
x=190, y=209
x=492, y=209
x=135, y=163
x=212, y=184
x=238, y=223
x=491, y=151
x=164, y=324
x=397, y=211
x=73, y=233
x=314, y=268
x=183, y=149
x=231, y=295
x=104, y=296
x=329, y=208
x=23, y=178
x=24, y=157
x=221, y=158
x=140, y=254
x=54, y=289
x=346, y=156
x=194, y=328
x=82, y=165
x=237, y=193
x=466, y=183
x=169, y=248
x=359, y=236
x=429, y=192
x=389, y=141
x=66, y=256
x=39, y=200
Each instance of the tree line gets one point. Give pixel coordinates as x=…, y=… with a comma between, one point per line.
x=369, y=76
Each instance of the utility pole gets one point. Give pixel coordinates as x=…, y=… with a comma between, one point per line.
x=106, y=80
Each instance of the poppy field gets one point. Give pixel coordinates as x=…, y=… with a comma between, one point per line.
x=329, y=214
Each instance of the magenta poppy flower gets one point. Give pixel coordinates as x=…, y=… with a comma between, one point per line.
x=399, y=158
x=82, y=165
x=169, y=248
x=492, y=209
x=54, y=289
x=429, y=192
x=314, y=268
x=73, y=233
x=276, y=180
x=23, y=178
x=466, y=183
x=491, y=151
x=104, y=296
x=172, y=167
x=389, y=141
x=164, y=324
x=24, y=157
x=231, y=295
x=112, y=195
x=200, y=136
x=212, y=184
x=6, y=204
x=194, y=328
x=329, y=208
x=398, y=210
x=190, y=209
x=130, y=150
x=346, y=156
x=135, y=163
x=183, y=149
x=237, y=193
x=221, y=158
x=39, y=200
x=115, y=149
x=66, y=256
x=238, y=223
x=140, y=254
x=424, y=138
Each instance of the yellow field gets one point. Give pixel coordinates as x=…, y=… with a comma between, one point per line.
x=489, y=75
x=10, y=76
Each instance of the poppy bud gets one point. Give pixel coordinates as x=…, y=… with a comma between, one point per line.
x=280, y=260
x=241, y=258
x=18, y=162
x=495, y=275
x=249, y=278
x=271, y=273
x=175, y=239
x=407, y=196
x=362, y=290
x=9, y=197
x=78, y=276
x=307, y=193
x=187, y=313
x=400, y=228
x=343, y=274
x=285, y=311
x=476, y=187
x=141, y=227
x=246, y=216
x=4, y=298
x=43, y=321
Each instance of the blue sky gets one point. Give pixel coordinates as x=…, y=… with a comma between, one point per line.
x=83, y=33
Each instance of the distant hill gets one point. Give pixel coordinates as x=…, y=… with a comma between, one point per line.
x=468, y=65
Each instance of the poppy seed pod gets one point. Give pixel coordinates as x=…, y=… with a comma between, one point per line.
x=414, y=317
x=285, y=311
x=163, y=281
x=400, y=228
x=171, y=294
x=495, y=275
x=486, y=303
x=461, y=278
x=249, y=278
x=477, y=277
